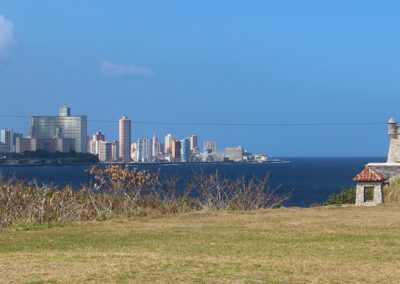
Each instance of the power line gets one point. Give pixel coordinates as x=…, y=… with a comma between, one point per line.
x=359, y=123
x=14, y=115
x=260, y=124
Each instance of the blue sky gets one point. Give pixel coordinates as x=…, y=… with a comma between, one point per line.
x=209, y=61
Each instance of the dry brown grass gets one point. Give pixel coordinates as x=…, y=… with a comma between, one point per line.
x=317, y=245
x=392, y=192
x=125, y=192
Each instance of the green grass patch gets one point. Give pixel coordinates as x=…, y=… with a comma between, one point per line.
x=325, y=245
x=28, y=226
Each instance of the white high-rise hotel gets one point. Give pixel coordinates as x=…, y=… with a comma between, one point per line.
x=125, y=139
x=168, y=143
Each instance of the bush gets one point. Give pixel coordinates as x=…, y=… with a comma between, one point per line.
x=347, y=196
x=124, y=192
x=220, y=193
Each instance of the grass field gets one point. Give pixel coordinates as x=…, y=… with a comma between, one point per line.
x=325, y=245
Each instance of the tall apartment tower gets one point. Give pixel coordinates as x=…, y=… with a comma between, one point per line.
x=155, y=146
x=176, y=152
x=185, y=150
x=6, y=137
x=125, y=139
x=193, y=142
x=168, y=143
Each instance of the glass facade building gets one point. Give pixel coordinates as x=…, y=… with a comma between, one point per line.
x=185, y=150
x=62, y=126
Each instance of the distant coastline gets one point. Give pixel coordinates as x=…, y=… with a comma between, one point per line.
x=46, y=164
x=60, y=163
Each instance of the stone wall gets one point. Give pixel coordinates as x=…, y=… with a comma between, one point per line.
x=378, y=193
x=389, y=170
x=394, y=150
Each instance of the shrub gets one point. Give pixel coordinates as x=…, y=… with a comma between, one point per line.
x=346, y=196
x=124, y=192
x=218, y=192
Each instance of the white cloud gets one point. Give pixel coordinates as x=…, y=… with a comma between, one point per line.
x=7, y=35
x=114, y=69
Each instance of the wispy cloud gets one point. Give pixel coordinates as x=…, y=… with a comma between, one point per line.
x=7, y=36
x=113, y=69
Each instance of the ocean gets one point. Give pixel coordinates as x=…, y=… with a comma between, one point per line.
x=310, y=180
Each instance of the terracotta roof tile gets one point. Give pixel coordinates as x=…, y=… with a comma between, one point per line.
x=369, y=174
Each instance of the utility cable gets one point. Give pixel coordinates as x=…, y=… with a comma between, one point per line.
x=354, y=123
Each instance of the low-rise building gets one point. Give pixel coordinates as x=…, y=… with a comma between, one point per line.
x=234, y=153
x=25, y=144
x=369, y=190
x=56, y=144
x=210, y=146
x=105, y=151
x=4, y=148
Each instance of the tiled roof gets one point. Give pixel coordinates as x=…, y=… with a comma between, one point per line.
x=369, y=174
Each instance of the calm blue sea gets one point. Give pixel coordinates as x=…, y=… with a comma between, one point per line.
x=311, y=180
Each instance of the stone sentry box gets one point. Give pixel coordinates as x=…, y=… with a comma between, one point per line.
x=369, y=191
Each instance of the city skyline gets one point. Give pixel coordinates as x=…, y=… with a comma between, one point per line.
x=227, y=62
x=66, y=111
x=66, y=133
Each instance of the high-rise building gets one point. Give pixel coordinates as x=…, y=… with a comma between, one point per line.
x=144, y=150
x=105, y=151
x=149, y=149
x=168, y=143
x=25, y=144
x=176, y=147
x=62, y=126
x=15, y=136
x=210, y=146
x=95, y=143
x=115, y=150
x=193, y=142
x=185, y=150
x=133, y=151
x=139, y=150
x=125, y=139
x=162, y=148
x=6, y=137
x=155, y=146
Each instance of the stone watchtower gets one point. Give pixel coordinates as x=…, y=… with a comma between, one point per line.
x=371, y=180
x=394, y=147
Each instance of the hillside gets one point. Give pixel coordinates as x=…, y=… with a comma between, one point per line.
x=337, y=244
